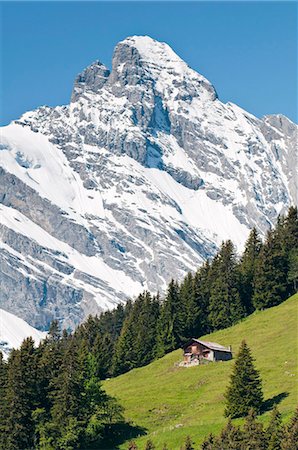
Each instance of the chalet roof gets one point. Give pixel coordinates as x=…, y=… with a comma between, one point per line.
x=210, y=345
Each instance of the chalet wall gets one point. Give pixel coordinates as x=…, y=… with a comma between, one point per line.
x=210, y=356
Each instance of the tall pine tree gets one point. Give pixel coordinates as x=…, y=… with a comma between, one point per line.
x=274, y=431
x=290, y=439
x=225, y=306
x=245, y=389
x=21, y=396
x=3, y=402
x=248, y=268
x=270, y=287
x=254, y=437
x=170, y=327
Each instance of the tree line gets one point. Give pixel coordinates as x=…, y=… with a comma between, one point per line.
x=221, y=292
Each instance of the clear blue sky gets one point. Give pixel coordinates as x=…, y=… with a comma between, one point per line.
x=247, y=50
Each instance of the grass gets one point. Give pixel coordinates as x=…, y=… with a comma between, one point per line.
x=171, y=402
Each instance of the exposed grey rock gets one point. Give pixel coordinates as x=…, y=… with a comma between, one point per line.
x=160, y=171
x=90, y=80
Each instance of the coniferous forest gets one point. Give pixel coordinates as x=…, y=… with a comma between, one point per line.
x=51, y=396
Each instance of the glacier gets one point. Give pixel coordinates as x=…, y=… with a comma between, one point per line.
x=14, y=330
x=137, y=181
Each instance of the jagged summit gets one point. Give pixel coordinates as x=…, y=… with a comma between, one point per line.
x=91, y=79
x=135, y=182
x=152, y=50
x=143, y=62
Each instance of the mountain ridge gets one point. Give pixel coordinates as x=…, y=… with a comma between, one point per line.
x=142, y=176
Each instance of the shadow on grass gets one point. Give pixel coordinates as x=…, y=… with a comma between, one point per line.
x=118, y=433
x=269, y=404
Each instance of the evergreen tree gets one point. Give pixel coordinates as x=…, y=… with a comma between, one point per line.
x=136, y=344
x=231, y=438
x=67, y=395
x=89, y=330
x=21, y=396
x=287, y=230
x=254, y=437
x=274, y=432
x=271, y=274
x=124, y=358
x=190, y=308
x=102, y=351
x=245, y=389
x=248, y=268
x=170, y=327
x=201, y=294
x=225, y=306
x=54, y=333
x=3, y=402
x=146, y=337
x=49, y=359
x=293, y=271
x=290, y=440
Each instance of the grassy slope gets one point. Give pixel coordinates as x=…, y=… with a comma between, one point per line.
x=171, y=402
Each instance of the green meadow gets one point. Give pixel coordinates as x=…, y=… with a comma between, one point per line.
x=169, y=402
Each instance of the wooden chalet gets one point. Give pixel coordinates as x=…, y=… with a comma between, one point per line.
x=196, y=352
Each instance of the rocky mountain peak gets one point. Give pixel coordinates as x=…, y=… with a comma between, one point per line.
x=91, y=79
x=141, y=60
x=136, y=182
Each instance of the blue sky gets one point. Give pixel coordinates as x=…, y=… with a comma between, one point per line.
x=248, y=50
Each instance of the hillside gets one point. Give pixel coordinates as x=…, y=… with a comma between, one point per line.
x=171, y=402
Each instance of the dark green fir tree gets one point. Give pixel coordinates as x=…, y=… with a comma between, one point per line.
x=21, y=396
x=137, y=342
x=254, y=437
x=274, y=431
x=170, y=327
x=290, y=439
x=201, y=293
x=102, y=350
x=293, y=271
x=248, y=268
x=190, y=307
x=225, y=306
x=231, y=437
x=271, y=284
x=245, y=389
x=3, y=402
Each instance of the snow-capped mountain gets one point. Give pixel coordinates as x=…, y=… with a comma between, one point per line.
x=14, y=330
x=136, y=181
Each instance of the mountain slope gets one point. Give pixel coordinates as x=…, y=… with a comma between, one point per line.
x=172, y=402
x=14, y=330
x=136, y=181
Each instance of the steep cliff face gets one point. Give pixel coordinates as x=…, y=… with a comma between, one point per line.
x=136, y=181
